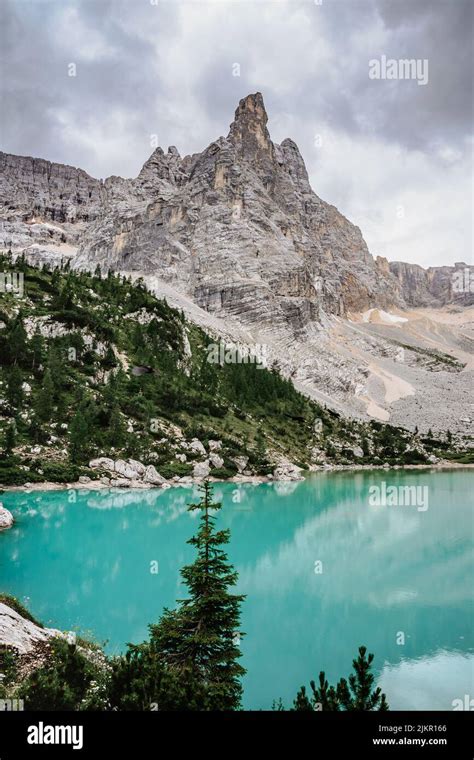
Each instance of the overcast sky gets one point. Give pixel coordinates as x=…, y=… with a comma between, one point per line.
x=394, y=156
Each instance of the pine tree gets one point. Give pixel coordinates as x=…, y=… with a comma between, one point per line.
x=10, y=438
x=260, y=450
x=17, y=341
x=357, y=695
x=199, y=638
x=79, y=435
x=45, y=398
x=37, y=350
x=109, y=359
x=117, y=427
x=14, y=390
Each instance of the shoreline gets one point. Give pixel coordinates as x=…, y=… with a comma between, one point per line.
x=98, y=485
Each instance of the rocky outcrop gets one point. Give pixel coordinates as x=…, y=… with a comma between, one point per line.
x=286, y=470
x=20, y=634
x=129, y=473
x=435, y=286
x=32, y=189
x=6, y=518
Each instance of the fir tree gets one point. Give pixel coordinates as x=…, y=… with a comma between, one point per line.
x=37, y=350
x=44, y=401
x=14, y=390
x=365, y=447
x=79, y=435
x=117, y=427
x=10, y=438
x=17, y=341
x=357, y=695
x=198, y=639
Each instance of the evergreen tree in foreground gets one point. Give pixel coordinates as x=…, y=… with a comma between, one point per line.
x=198, y=639
x=357, y=695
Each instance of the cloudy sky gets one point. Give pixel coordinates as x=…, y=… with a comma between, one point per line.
x=393, y=155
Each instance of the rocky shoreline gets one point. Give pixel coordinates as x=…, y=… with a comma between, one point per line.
x=87, y=484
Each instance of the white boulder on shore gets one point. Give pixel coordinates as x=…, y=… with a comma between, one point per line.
x=151, y=475
x=201, y=469
x=286, y=470
x=130, y=473
x=216, y=460
x=6, y=518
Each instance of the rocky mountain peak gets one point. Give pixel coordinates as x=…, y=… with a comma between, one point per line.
x=248, y=132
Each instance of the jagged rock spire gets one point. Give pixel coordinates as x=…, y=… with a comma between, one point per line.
x=248, y=131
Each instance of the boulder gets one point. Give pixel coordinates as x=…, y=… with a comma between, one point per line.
x=201, y=469
x=21, y=634
x=357, y=451
x=120, y=483
x=153, y=477
x=197, y=447
x=103, y=463
x=84, y=479
x=181, y=457
x=137, y=466
x=6, y=519
x=128, y=470
x=241, y=462
x=215, y=445
x=287, y=471
x=216, y=460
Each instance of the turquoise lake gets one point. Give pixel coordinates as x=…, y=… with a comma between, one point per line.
x=80, y=560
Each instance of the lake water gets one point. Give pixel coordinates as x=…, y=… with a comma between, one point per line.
x=324, y=570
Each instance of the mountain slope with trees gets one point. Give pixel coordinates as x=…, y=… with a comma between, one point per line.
x=97, y=366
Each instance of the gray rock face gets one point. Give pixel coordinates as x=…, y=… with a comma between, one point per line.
x=435, y=286
x=236, y=227
x=20, y=633
x=32, y=188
